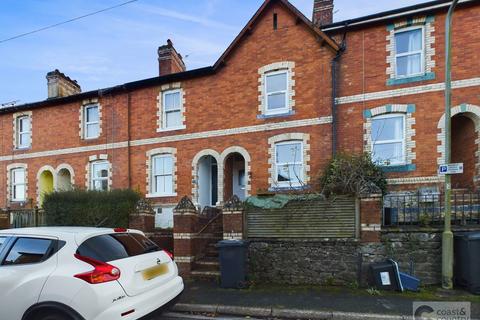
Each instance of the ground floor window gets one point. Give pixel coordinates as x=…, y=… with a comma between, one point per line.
x=388, y=139
x=99, y=175
x=289, y=163
x=18, y=184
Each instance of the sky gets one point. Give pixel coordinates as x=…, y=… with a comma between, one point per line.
x=119, y=45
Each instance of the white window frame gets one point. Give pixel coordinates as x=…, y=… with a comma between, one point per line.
x=22, y=133
x=301, y=162
x=153, y=175
x=92, y=177
x=410, y=53
x=14, y=184
x=86, y=123
x=164, y=110
x=402, y=140
x=286, y=109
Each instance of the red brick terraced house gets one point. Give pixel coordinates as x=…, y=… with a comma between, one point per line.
x=268, y=115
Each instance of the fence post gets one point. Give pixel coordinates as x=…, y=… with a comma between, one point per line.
x=370, y=217
x=233, y=222
x=35, y=216
x=185, y=225
x=143, y=218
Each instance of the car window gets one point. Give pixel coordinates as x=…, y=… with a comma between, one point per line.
x=29, y=250
x=2, y=241
x=116, y=246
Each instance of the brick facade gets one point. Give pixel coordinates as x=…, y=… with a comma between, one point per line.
x=222, y=106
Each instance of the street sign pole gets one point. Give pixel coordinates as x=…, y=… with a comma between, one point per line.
x=447, y=236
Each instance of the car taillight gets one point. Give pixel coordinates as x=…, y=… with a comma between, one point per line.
x=169, y=254
x=120, y=230
x=102, y=272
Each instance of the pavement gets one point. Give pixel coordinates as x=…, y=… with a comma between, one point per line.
x=206, y=299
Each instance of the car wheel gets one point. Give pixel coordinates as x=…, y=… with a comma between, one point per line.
x=52, y=315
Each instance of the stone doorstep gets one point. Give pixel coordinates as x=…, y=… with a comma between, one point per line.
x=283, y=313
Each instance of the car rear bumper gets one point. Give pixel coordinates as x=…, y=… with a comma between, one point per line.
x=144, y=303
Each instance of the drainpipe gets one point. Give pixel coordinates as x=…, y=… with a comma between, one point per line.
x=334, y=92
x=447, y=236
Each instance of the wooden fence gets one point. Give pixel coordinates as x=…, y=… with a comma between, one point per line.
x=336, y=218
x=24, y=218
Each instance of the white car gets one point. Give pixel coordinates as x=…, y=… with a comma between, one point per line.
x=76, y=273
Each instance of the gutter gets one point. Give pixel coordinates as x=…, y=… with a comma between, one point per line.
x=387, y=15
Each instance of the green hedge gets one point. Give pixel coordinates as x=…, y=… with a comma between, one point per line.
x=90, y=208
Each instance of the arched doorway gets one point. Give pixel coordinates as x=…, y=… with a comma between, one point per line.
x=207, y=181
x=463, y=150
x=45, y=185
x=465, y=129
x=64, y=180
x=235, y=176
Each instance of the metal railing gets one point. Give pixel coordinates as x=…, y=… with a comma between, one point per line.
x=429, y=209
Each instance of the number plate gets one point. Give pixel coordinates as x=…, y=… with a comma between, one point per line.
x=154, y=272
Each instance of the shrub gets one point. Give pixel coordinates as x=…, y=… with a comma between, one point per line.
x=353, y=175
x=90, y=208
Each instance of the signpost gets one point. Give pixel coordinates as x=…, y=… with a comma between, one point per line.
x=451, y=168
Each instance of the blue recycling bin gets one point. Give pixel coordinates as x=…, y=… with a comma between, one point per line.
x=408, y=282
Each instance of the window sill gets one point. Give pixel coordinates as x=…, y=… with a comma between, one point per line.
x=90, y=138
x=398, y=81
x=156, y=195
x=289, y=187
x=399, y=168
x=171, y=129
x=275, y=115
x=22, y=148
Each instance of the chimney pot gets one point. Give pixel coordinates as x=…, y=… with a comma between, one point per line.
x=322, y=12
x=59, y=85
x=169, y=60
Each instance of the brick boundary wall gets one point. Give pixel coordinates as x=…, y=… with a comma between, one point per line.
x=4, y=220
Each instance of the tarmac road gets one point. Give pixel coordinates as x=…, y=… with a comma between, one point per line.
x=181, y=316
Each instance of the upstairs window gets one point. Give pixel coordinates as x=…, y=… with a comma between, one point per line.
x=276, y=90
x=24, y=132
x=18, y=184
x=99, y=174
x=162, y=174
x=388, y=139
x=91, y=121
x=409, y=52
x=289, y=170
x=172, y=109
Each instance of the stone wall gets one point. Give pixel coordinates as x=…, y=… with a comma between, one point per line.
x=345, y=262
x=304, y=261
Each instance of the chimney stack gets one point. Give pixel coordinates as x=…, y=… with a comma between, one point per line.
x=169, y=60
x=322, y=12
x=59, y=85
